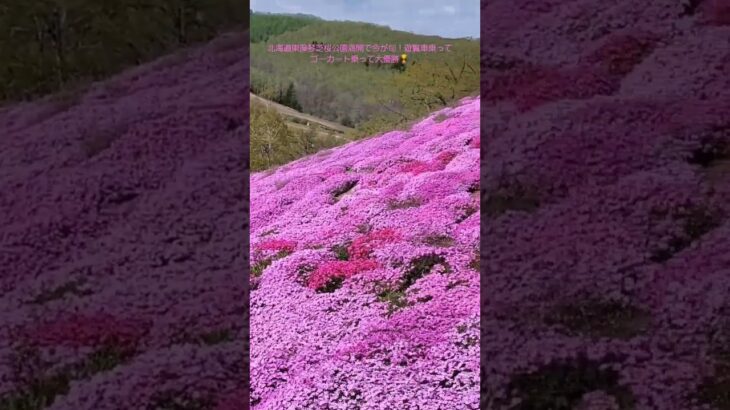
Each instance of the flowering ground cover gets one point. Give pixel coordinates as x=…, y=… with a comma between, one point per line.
x=122, y=212
x=606, y=238
x=365, y=272
x=604, y=248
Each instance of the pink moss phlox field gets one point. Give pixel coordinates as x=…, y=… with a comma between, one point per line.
x=122, y=212
x=377, y=305
x=606, y=175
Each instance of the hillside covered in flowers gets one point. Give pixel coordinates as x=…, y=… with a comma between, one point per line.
x=606, y=177
x=122, y=252
x=365, y=272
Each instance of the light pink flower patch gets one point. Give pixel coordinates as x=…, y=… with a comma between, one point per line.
x=376, y=259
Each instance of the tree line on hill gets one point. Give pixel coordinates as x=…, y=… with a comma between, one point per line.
x=287, y=97
x=46, y=45
x=264, y=25
x=368, y=96
x=273, y=143
x=423, y=88
x=372, y=98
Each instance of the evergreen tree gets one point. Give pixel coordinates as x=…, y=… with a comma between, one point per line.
x=290, y=98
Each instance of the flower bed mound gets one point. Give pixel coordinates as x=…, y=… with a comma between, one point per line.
x=122, y=211
x=365, y=273
x=607, y=195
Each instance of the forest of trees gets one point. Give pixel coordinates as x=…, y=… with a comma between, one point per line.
x=46, y=45
x=264, y=25
x=273, y=143
x=370, y=97
x=278, y=93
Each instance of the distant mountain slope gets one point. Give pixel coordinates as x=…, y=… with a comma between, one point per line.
x=266, y=25
x=354, y=93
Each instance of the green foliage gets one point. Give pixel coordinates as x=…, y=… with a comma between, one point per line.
x=341, y=252
x=277, y=92
x=38, y=396
x=258, y=269
x=561, y=386
x=217, y=337
x=274, y=142
x=103, y=360
x=331, y=285
x=467, y=212
x=47, y=45
x=271, y=141
x=42, y=389
x=370, y=97
x=513, y=198
x=290, y=98
x=264, y=26
x=476, y=262
x=430, y=84
x=420, y=267
x=396, y=300
x=179, y=400
x=73, y=287
x=441, y=118
x=601, y=318
x=441, y=241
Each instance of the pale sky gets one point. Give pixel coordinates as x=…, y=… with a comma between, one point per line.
x=451, y=19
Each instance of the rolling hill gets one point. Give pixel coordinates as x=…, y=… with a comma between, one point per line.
x=606, y=231
x=122, y=250
x=347, y=93
x=296, y=119
x=365, y=272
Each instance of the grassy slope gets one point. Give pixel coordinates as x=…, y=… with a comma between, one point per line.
x=296, y=118
x=345, y=90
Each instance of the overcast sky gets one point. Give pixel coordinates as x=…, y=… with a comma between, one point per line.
x=454, y=18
